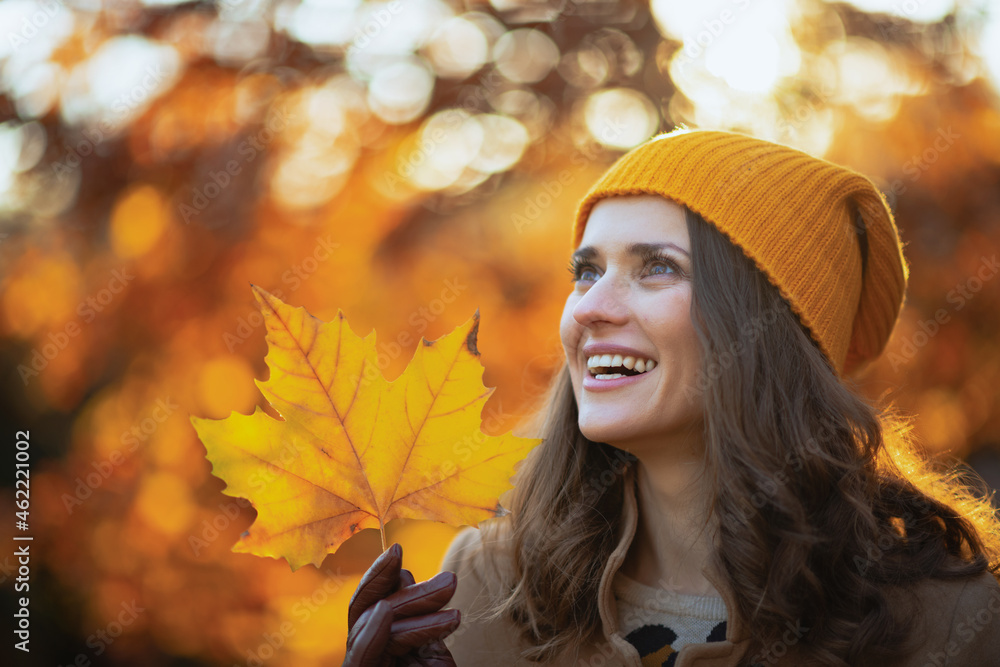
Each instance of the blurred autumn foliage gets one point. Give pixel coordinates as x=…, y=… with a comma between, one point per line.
x=407, y=162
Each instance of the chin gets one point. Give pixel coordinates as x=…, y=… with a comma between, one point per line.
x=602, y=429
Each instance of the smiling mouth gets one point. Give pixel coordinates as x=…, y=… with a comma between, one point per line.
x=611, y=367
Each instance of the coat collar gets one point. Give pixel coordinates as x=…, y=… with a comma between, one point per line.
x=735, y=631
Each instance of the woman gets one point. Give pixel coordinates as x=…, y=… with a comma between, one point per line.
x=711, y=489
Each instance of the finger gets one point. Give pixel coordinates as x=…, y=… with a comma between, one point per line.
x=381, y=579
x=406, y=578
x=408, y=633
x=368, y=640
x=425, y=597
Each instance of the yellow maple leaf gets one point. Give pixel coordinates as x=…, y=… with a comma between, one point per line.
x=352, y=450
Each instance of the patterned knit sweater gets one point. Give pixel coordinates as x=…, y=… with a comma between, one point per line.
x=658, y=622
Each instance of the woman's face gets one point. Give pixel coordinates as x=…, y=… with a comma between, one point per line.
x=632, y=301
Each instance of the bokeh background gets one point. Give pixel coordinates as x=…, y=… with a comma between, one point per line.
x=407, y=162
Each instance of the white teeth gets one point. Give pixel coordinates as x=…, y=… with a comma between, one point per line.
x=607, y=362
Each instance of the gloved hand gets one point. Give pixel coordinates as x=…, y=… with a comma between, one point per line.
x=393, y=621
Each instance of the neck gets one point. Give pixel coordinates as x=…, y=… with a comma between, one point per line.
x=673, y=544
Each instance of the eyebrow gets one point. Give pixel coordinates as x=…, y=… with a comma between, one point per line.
x=638, y=249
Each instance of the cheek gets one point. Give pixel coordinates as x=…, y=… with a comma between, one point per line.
x=569, y=329
x=678, y=338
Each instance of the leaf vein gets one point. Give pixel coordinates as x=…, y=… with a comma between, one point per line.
x=371, y=491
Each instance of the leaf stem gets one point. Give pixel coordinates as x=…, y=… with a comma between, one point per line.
x=381, y=532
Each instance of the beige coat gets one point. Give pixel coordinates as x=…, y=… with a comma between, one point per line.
x=960, y=625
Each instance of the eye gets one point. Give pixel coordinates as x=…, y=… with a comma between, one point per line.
x=588, y=273
x=660, y=265
x=581, y=271
x=654, y=264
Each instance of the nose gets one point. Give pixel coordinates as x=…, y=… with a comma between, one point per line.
x=604, y=301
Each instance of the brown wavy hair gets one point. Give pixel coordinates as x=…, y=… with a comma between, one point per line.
x=823, y=504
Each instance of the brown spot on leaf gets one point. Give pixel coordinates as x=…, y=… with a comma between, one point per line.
x=470, y=340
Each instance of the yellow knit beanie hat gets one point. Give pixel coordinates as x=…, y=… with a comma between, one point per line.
x=805, y=223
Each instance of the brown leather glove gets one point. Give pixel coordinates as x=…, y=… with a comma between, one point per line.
x=393, y=621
